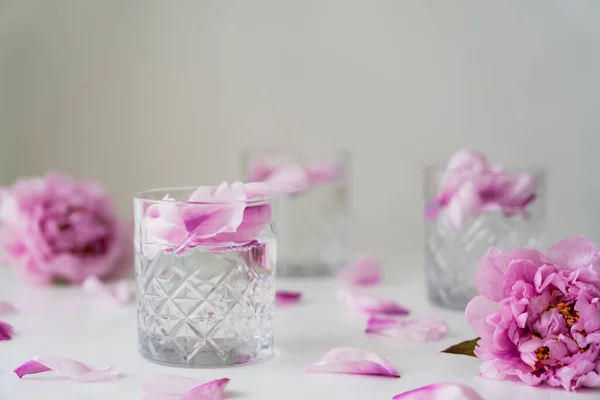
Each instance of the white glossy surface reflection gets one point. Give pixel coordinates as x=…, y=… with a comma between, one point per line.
x=68, y=322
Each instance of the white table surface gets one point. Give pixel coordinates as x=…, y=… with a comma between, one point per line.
x=67, y=322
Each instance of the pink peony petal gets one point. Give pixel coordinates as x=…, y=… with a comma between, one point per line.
x=467, y=159
x=205, y=221
x=490, y=273
x=463, y=205
x=6, y=331
x=370, y=304
x=345, y=360
x=258, y=170
x=66, y=366
x=171, y=387
x=292, y=176
x=573, y=253
x=283, y=297
x=254, y=220
x=440, y=391
x=478, y=309
x=366, y=270
x=272, y=188
x=6, y=308
x=123, y=291
x=325, y=172
x=422, y=329
x=223, y=211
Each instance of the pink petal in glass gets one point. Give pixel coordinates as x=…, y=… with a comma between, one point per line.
x=345, y=360
x=324, y=172
x=6, y=331
x=253, y=221
x=366, y=270
x=66, y=366
x=440, y=391
x=6, y=308
x=171, y=387
x=284, y=297
x=294, y=176
x=422, y=329
x=371, y=304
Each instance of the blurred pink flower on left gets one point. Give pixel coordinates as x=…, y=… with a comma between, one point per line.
x=55, y=229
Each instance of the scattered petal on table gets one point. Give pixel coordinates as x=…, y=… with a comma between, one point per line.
x=283, y=297
x=371, y=304
x=171, y=387
x=353, y=361
x=122, y=291
x=6, y=331
x=66, y=366
x=365, y=270
x=421, y=329
x=440, y=391
x=6, y=308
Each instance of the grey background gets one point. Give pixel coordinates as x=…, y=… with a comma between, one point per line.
x=143, y=94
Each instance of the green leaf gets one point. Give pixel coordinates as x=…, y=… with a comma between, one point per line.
x=465, y=348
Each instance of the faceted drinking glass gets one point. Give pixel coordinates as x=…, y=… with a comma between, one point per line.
x=452, y=250
x=203, y=301
x=312, y=223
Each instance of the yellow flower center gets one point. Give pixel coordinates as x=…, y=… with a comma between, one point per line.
x=566, y=310
x=542, y=353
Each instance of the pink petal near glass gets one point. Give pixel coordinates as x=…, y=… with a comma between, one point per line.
x=419, y=330
x=284, y=297
x=6, y=331
x=171, y=387
x=365, y=270
x=6, y=308
x=440, y=391
x=345, y=360
x=123, y=291
x=66, y=366
x=371, y=304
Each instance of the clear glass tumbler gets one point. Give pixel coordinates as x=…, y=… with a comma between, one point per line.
x=313, y=224
x=203, y=301
x=460, y=232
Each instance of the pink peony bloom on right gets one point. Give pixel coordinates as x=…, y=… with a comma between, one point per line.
x=538, y=315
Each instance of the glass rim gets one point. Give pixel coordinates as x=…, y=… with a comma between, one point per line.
x=343, y=153
x=144, y=195
x=534, y=169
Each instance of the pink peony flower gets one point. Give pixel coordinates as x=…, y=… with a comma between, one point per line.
x=538, y=315
x=470, y=187
x=56, y=229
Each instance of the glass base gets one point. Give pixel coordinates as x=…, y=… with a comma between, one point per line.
x=191, y=354
x=449, y=299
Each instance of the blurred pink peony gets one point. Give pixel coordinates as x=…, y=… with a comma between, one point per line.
x=54, y=229
x=538, y=315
